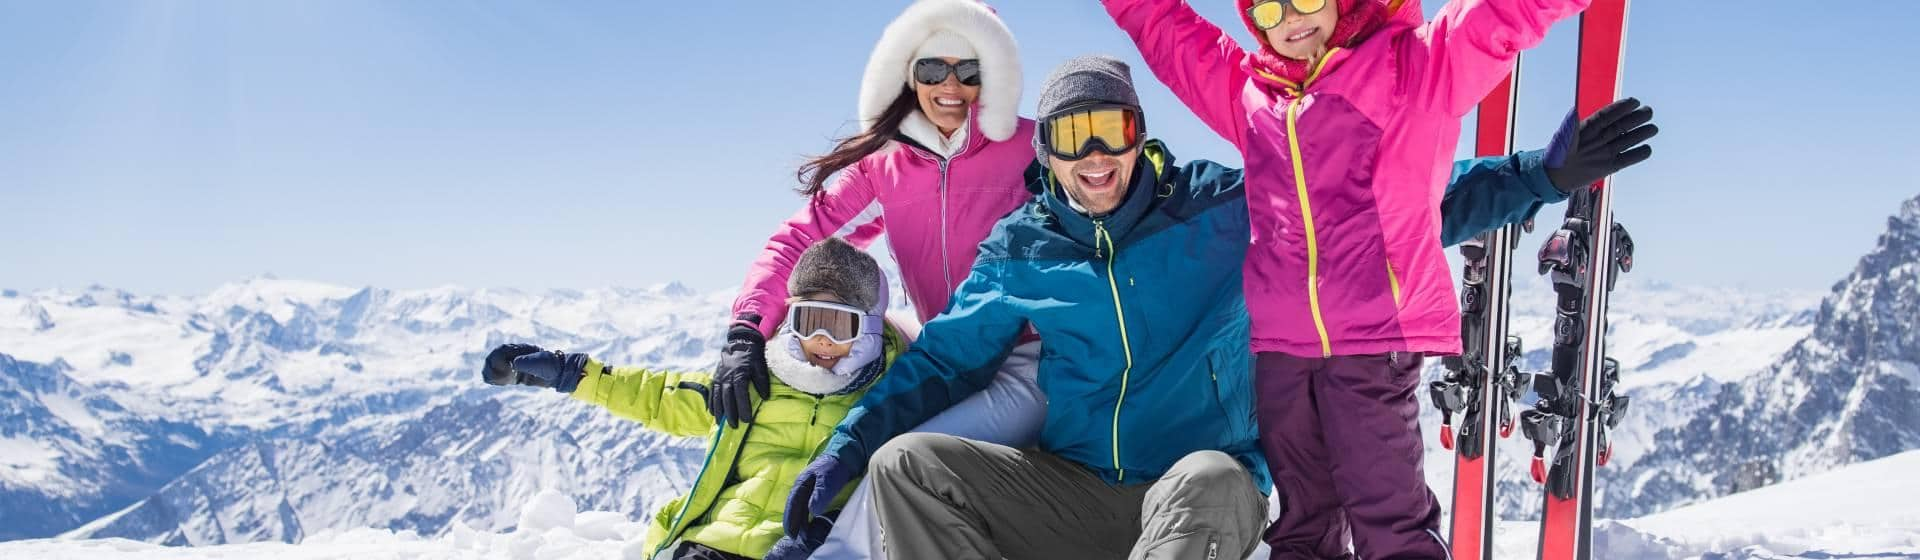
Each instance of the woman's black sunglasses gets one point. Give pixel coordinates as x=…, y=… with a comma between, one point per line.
x=932, y=71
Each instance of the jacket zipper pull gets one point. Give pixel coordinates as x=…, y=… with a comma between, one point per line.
x=1099, y=232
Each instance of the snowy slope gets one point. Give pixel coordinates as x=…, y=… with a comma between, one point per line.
x=1865, y=511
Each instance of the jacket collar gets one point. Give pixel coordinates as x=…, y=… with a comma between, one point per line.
x=1150, y=174
x=927, y=136
x=923, y=142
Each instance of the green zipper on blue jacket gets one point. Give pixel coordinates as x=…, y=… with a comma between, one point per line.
x=1099, y=234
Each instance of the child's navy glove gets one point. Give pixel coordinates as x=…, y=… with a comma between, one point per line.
x=558, y=370
x=743, y=364
x=800, y=547
x=498, y=369
x=1612, y=139
x=814, y=492
x=526, y=364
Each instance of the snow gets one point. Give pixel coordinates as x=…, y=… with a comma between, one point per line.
x=1876, y=504
x=548, y=510
x=25, y=462
x=74, y=413
x=281, y=298
x=1904, y=370
x=550, y=530
x=1868, y=510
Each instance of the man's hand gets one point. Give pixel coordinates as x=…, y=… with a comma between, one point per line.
x=800, y=547
x=813, y=493
x=1607, y=142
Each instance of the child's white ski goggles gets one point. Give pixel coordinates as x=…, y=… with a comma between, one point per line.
x=841, y=324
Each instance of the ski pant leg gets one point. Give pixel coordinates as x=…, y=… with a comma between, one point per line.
x=1206, y=506
x=856, y=533
x=1311, y=523
x=1370, y=415
x=942, y=497
x=1009, y=412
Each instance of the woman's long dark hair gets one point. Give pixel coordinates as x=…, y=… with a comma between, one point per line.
x=813, y=175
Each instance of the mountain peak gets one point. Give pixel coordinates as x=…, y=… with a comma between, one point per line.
x=1842, y=395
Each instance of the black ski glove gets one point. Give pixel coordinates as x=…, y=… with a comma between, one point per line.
x=743, y=364
x=498, y=369
x=1607, y=142
x=526, y=364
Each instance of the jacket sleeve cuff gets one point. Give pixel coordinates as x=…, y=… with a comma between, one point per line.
x=590, y=388
x=848, y=451
x=1533, y=172
x=750, y=313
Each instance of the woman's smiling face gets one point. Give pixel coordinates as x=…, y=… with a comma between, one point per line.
x=947, y=103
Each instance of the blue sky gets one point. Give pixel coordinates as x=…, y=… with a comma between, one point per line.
x=166, y=146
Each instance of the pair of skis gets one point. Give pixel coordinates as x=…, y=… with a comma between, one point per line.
x=1577, y=405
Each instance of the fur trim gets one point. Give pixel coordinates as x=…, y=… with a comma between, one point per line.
x=997, y=110
x=801, y=374
x=793, y=369
x=944, y=43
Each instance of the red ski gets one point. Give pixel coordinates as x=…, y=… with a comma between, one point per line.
x=1578, y=404
x=1481, y=383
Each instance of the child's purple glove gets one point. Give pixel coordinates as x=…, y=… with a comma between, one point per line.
x=814, y=492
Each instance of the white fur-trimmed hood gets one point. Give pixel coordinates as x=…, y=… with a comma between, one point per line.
x=997, y=111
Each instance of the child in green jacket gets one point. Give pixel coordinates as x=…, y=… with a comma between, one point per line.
x=834, y=344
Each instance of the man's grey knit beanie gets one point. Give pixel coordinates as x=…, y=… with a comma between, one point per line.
x=1085, y=79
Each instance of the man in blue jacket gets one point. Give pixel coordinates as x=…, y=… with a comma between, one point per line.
x=1129, y=268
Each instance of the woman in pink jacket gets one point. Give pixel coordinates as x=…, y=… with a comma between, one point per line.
x=939, y=159
x=1347, y=116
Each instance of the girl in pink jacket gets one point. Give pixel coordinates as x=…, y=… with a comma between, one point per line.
x=939, y=159
x=1347, y=116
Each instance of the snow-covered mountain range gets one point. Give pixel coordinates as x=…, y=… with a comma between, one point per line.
x=270, y=409
x=275, y=410
x=1850, y=392
x=1676, y=345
